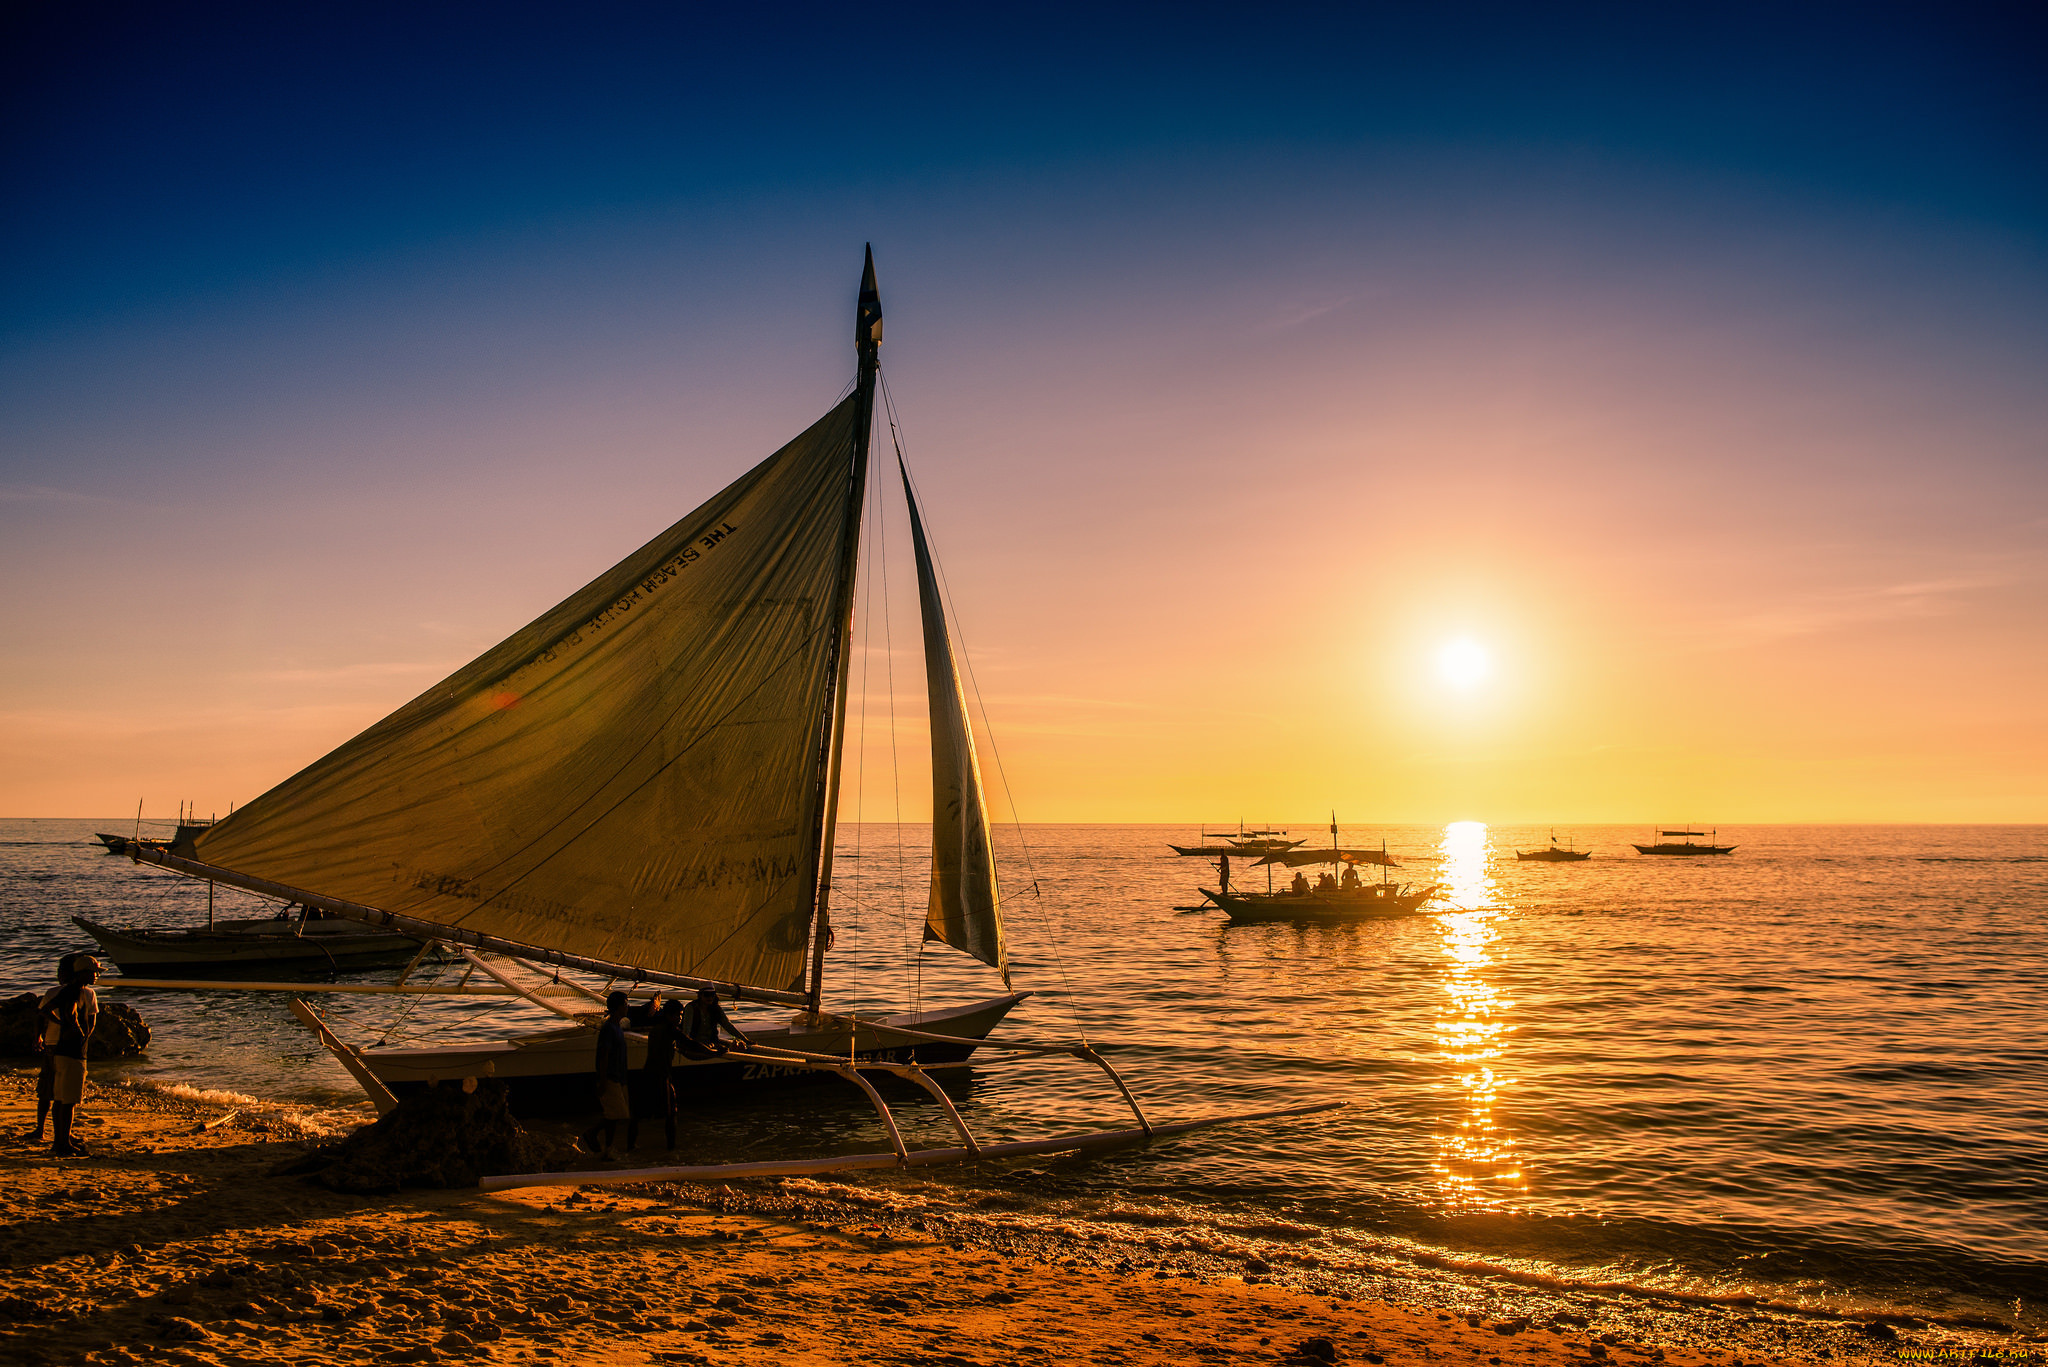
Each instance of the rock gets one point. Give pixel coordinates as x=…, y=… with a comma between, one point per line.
x=1509, y=1328
x=1882, y=1332
x=22, y=1308
x=184, y=1331
x=439, y=1137
x=456, y=1340
x=1319, y=1348
x=1257, y=1266
x=120, y=1033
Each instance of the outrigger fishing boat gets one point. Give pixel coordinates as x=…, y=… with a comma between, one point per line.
x=1242, y=842
x=1554, y=853
x=295, y=939
x=1685, y=848
x=1330, y=898
x=642, y=785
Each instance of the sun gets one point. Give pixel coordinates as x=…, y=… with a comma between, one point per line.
x=1464, y=664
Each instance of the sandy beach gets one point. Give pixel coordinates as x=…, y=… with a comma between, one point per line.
x=173, y=1243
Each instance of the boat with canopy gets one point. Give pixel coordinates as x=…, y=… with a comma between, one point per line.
x=1241, y=841
x=1685, y=846
x=642, y=785
x=1330, y=898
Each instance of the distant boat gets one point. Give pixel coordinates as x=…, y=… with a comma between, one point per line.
x=1686, y=847
x=288, y=940
x=179, y=841
x=1329, y=899
x=1242, y=842
x=1555, y=853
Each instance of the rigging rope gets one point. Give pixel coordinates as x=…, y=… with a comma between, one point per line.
x=1053, y=936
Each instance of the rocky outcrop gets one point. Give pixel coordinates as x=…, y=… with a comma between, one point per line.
x=120, y=1033
x=440, y=1137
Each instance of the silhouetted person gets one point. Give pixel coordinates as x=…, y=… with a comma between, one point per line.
x=701, y=1024
x=659, y=1085
x=1325, y=883
x=46, y=1076
x=68, y=1022
x=1299, y=887
x=1349, y=882
x=612, y=1071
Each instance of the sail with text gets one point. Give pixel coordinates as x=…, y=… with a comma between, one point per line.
x=965, y=910
x=639, y=775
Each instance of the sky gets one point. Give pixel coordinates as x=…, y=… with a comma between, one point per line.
x=1681, y=372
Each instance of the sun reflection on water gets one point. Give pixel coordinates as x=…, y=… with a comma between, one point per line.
x=1476, y=1161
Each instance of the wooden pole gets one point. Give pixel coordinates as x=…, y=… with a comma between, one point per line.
x=867, y=331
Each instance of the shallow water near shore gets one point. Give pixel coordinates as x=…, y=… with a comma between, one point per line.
x=1813, y=1072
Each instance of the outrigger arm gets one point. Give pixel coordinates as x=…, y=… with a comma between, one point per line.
x=914, y=1158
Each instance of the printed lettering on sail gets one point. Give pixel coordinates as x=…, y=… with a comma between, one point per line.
x=965, y=911
x=632, y=777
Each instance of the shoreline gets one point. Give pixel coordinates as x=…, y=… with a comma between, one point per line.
x=173, y=1244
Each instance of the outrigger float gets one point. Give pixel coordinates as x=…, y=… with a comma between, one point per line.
x=642, y=785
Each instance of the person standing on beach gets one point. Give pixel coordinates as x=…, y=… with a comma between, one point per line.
x=659, y=1085
x=612, y=1071
x=46, y=1077
x=68, y=1023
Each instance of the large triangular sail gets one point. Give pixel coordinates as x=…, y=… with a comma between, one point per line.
x=965, y=910
x=637, y=776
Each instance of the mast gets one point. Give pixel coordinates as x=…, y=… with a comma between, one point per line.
x=867, y=338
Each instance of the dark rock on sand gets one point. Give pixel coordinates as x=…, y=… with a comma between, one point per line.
x=440, y=1137
x=120, y=1033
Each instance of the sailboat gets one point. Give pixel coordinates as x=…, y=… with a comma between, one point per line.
x=643, y=784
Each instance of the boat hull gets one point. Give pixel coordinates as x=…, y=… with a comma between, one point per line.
x=118, y=844
x=1323, y=908
x=1685, y=851
x=1554, y=856
x=324, y=947
x=551, y=1072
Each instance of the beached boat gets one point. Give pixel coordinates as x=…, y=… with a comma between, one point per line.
x=1686, y=847
x=643, y=785
x=291, y=940
x=1554, y=853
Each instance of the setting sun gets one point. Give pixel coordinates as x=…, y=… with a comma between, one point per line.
x=1464, y=664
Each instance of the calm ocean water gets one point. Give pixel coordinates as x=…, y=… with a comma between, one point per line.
x=1816, y=1070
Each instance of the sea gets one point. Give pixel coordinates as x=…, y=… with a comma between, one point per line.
x=1812, y=1074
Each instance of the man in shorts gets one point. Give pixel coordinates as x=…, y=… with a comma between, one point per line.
x=68, y=1022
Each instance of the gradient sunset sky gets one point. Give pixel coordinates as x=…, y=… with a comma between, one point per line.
x=1691, y=364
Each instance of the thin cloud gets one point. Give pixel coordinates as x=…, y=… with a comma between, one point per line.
x=1841, y=609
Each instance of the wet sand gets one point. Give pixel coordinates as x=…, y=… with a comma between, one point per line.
x=171, y=1243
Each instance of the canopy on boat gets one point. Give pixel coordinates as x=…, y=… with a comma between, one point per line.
x=1295, y=859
